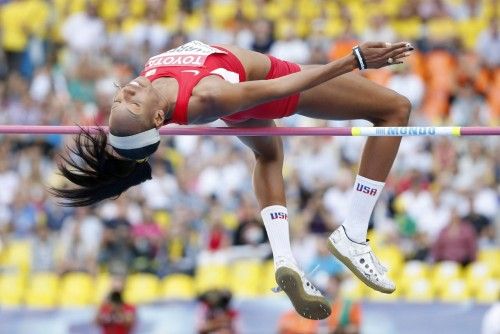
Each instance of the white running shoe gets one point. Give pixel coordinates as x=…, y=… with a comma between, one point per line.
x=360, y=258
x=305, y=297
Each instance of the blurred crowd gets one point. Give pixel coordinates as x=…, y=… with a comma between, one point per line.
x=60, y=58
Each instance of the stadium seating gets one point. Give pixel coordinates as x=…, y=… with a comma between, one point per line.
x=142, y=288
x=420, y=290
x=492, y=258
x=178, y=286
x=212, y=276
x=393, y=258
x=444, y=272
x=353, y=289
x=245, y=278
x=12, y=287
x=469, y=30
x=413, y=270
x=17, y=256
x=455, y=291
x=476, y=274
x=408, y=29
x=268, y=280
x=76, y=289
x=488, y=292
x=102, y=285
x=42, y=290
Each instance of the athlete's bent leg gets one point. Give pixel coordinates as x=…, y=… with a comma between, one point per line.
x=354, y=97
x=270, y=191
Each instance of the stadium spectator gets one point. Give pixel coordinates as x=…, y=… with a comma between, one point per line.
x=148, y=229
x=43, y=245
x=147, y=239
x=316, y=216
x=417, y=201
x=408, y=84
x=249, y=232
x=466, y=10
x=208, y=31
x=79, y=242
x=322, y=267
x=9, y=177
x=162, y=187
x=432, y=9
x=116, y=249
x=346, y=314
x=150, y=34
x=347, y=40
x=84, y=32
x=474, y=169
x=379, y=29
x=263, y=31
x=17, y=23
x=468, y=107
x=345, y=318
x=488, y=45
x=291, y=323
x=456, y=242
x=217, y=237
x=242, y=33
x=24, y=215
x=334, y=195
x=115, y=316
x=181, y=245
x=291, y=47
x=479, y=221
x=216, y=313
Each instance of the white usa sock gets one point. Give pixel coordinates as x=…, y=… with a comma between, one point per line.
x=364, y=197
x=275, y=219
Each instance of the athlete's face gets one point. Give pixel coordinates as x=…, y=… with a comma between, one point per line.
x=136, y=107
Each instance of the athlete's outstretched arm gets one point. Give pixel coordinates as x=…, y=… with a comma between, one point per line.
x=225, y=98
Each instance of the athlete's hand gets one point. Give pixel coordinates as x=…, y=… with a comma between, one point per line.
x=380, y=54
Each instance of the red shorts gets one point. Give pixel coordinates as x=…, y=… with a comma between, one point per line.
x=275, y=109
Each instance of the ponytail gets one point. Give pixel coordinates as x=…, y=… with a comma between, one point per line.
x=96, y=173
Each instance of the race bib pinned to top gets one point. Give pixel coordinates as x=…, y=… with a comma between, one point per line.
x=192, y=54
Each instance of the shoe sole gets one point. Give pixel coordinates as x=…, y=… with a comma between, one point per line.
x=345, y=260
x=310, y=307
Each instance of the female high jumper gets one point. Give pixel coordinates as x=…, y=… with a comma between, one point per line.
x=197, y=83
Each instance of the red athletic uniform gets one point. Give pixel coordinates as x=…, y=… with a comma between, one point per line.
x=191, y=62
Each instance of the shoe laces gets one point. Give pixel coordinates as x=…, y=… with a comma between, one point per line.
x=304, y=277
x=380, y=267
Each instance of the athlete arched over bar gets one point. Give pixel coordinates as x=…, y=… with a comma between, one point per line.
x=196, y=83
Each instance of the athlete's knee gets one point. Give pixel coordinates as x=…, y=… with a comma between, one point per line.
x=272, y=152
x=400, y=110
x=396, y=112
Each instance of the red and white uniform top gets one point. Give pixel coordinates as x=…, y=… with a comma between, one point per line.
x=188, y=64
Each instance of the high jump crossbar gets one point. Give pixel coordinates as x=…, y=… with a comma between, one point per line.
x=426, y=131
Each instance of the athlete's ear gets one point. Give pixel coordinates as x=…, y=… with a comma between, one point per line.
x=158, y=118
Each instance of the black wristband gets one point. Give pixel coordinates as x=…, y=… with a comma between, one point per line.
x=360, y=59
